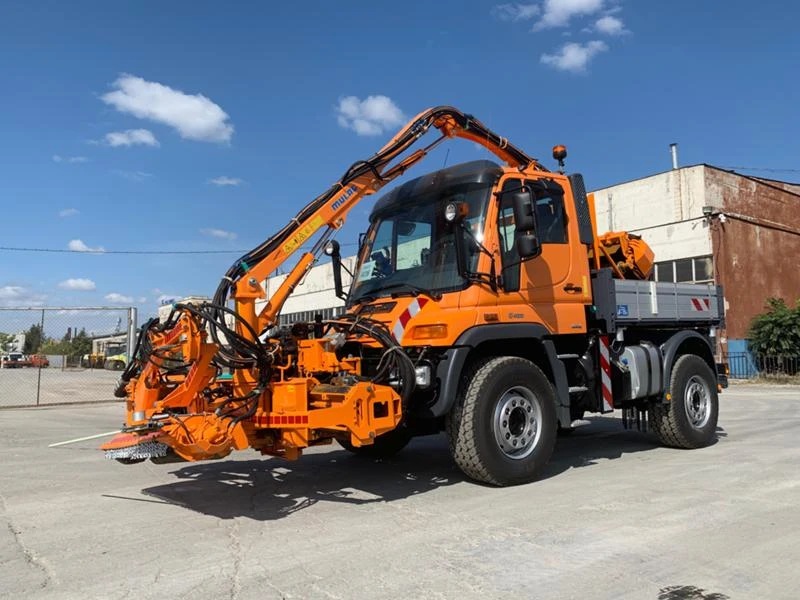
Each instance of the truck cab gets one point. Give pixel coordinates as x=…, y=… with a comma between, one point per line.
x=483, y=271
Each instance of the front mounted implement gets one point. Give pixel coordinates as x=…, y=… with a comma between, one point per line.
x=182, y=404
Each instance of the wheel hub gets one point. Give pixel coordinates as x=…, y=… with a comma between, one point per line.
x=697, y=400
x=517, y=422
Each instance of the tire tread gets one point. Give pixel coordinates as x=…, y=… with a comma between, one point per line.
x=665, y=420
x=461, y=420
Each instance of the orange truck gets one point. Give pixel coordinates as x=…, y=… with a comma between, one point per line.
x=483, y=304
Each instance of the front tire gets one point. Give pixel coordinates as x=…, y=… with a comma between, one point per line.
x=503, y=427
x=689, y=419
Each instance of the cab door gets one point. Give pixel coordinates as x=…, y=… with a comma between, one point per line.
x=553, y=288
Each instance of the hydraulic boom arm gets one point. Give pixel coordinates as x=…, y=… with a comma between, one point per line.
x=363, y=178
x=196, y=398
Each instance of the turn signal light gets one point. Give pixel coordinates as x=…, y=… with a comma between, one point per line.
x=430, y=332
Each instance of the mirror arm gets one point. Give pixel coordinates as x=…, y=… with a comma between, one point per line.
x=492, y=269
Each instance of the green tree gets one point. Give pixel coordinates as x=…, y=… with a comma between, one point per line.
x=34, y=338
x=81, y=344
x=53, y=347
x=776, y=331
x=5, y=340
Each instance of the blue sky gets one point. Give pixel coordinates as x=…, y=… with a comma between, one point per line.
x=156, y=126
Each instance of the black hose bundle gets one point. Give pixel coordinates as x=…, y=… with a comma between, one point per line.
x=394, y=362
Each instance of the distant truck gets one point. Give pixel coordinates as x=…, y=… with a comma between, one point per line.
x=114, y=358
x=17, y=360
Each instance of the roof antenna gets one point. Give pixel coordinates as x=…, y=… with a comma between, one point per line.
x=560, y=153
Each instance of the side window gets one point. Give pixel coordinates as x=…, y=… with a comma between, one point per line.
x=506, y=231
x=550, y=218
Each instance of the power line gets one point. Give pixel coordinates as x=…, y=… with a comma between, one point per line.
x=67, y=251
x=63, y=251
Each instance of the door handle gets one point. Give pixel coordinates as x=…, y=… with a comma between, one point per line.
x=571, y=287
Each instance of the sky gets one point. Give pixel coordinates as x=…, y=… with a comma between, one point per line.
x=205, y=126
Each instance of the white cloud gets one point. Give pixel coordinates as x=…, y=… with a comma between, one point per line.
x=558, y=13
x=69, y=159
x=142, y=299
x=223, y=180
x=219, y=233
x=68, y=212
x=371, y=116
x=82, y=285
x=79, y=246
x=574, y=57
x=515, y=12
x=115, y=298
x=609, y=25
x=131, y=137
x=194, y=116
x=167, y=299
x=132, y=175
x=16, y=295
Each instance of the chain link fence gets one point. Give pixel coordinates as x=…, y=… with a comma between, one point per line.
x=63, y=355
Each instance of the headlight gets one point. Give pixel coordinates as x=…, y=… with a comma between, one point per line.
x=455, y=211
x=423, y=376
x=331, y=248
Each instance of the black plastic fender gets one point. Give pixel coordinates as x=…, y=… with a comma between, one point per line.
x=669, y=351
x=448, y=372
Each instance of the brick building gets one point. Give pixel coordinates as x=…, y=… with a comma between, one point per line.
x=706, y=224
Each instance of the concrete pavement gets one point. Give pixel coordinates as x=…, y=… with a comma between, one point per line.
x=616, y=516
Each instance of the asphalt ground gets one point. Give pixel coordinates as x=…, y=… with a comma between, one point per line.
x=615, y=516
x=21, y=387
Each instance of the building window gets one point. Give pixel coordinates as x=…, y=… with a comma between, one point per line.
x=686, y=270
x=665, y=271
x=307, y=316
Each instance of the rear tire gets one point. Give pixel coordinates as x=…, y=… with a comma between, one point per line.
x=384, y=446
x=689, y=419
x=502, y=428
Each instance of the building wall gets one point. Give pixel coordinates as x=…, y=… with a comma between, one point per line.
x=756, y=246
x=315, y=292
x=665, y=209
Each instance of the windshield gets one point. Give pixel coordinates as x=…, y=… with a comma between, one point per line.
x=410, y=247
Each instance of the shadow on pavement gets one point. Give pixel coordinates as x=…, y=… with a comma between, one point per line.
x=269, y=489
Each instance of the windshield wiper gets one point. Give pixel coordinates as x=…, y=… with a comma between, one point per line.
x=414, y=290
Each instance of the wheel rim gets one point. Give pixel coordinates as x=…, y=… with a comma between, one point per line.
x=517, y=422
x=697, y=400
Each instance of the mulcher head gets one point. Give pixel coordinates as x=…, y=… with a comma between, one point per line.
x=129, y=447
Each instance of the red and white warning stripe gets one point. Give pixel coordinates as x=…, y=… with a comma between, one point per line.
x=605, y=374
x=400, y=327
x=701, y=304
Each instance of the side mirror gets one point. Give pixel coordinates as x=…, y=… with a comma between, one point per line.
x=524, y=216
x=332, y=250
x=528, y=245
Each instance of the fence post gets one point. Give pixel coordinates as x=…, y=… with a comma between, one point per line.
x=131, y=332
x=39, y=373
